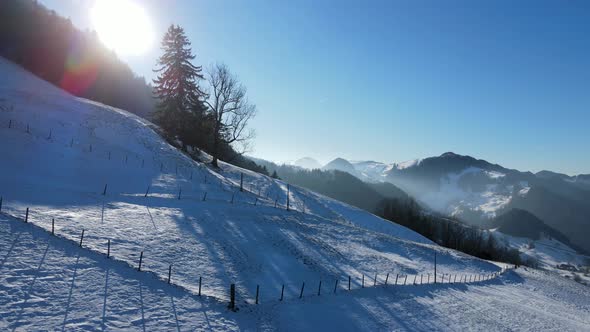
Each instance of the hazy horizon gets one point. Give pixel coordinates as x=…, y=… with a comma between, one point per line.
x=395, y=81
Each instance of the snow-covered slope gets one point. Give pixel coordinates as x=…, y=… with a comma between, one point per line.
x=48, y=283
x=60, y=153
x=105, y=173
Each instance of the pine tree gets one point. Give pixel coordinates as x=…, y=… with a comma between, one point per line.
x=177, y=86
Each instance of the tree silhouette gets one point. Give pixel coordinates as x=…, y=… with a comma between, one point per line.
x=177, y=86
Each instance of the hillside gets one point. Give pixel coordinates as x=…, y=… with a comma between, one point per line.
x=336, y=184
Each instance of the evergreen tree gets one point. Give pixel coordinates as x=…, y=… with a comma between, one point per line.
x=177, y=88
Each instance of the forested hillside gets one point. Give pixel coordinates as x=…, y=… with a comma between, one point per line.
x=50, y=47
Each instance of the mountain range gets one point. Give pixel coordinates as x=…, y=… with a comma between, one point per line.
x=476, y=191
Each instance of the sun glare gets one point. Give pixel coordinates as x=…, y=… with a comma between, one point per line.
x=122, y=25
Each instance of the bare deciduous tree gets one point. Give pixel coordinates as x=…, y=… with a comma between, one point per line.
x=230, y=108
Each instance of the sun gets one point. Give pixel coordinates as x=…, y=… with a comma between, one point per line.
x=122, y=25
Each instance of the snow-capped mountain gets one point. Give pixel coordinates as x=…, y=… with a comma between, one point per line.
x=476, y=190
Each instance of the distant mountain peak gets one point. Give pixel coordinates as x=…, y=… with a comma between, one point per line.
x=307, y=162
x=450, y=154
x=341, y=164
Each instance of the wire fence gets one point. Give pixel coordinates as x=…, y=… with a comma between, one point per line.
x=243, y=193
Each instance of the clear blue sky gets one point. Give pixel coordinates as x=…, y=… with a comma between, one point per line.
x=506, y=81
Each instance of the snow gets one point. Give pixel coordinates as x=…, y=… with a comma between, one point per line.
x=409, y=163
x=549, y=252
x=59, y=154
x=452, y=199
x=49, y=283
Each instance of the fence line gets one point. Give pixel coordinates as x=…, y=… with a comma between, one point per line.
x=418, y=279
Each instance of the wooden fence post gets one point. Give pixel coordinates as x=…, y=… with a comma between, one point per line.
x=348, y=282
x=104, y=192
x=200, y=279
x=397, y=275
x=232, y=198
x=179, y=192
x=169, y=273
x=335, y=286
x=27, y=215
x=82, y=237
x=375, y=281
x=288, y=192
x=108, y=248
x=241, y=181
x=257, y=292
x=406, y=279
x=363, y=282
x=282, y=292
x=421, y=278
x=256, y=201
x=52, y=226
x=386, y=278
x=232, y=296
x=302, y=287
x=140, y=259
x=435, y=267
x=415, y=276
x=320, y=288
x=147, y=191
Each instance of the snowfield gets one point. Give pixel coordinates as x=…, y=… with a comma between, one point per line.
x=85, y=168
